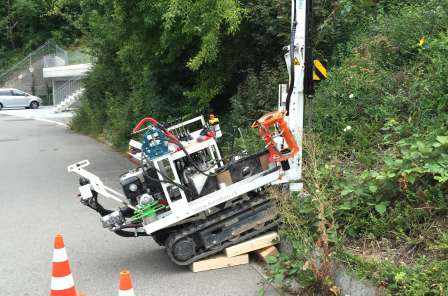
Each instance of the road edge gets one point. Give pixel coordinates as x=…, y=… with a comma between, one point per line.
x=39, y=119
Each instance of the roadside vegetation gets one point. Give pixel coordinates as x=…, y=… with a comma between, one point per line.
x=376, y=165
x=376, y=145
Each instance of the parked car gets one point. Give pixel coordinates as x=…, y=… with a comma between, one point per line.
x=14, y=98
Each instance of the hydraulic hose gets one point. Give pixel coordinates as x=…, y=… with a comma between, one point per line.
x=124, y=233
x=167, y=179
x=96, y=206
x=172, y=137
x=177, y=142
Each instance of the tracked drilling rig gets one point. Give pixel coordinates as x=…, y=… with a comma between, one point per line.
x=182, y=192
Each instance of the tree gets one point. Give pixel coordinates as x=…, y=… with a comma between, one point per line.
x=27, y=24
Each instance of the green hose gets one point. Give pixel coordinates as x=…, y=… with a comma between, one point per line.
x=147, y=211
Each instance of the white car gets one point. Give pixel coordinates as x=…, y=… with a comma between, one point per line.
x=14, y=98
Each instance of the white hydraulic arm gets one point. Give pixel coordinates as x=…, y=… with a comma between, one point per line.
x=295, y=103
x=96, y=184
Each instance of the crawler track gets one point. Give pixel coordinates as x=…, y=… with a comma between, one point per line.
x=228, y=227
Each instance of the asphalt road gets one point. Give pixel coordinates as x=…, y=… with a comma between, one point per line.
x=37, y=200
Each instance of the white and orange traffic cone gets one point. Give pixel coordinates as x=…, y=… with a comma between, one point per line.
x=126, y=288
x=62, y=283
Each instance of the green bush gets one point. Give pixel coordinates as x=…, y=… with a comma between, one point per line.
x=380, y=128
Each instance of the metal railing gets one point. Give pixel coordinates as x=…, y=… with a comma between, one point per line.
x=78, y=56
x=64, y=91
x=27, y=74
x=48, y=49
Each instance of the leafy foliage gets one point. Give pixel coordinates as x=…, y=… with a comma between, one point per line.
x=172, y=58
x=27, y=24
x=379, y=131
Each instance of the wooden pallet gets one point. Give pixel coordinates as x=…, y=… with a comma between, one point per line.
x=257, y=243
x=239, y=254
x=219, y=261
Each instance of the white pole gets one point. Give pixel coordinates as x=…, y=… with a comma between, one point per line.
x=295, y=119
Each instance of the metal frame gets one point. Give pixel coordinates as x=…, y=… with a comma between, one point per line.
x=210, y=145
x=215, y=198
x=199, y=118
x=95, y=183
x=179, y=210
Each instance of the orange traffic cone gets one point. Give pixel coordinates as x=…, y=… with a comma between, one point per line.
x=126, y=288
x=62, y=280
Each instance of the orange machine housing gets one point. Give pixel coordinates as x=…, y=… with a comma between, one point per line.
x=276, y=120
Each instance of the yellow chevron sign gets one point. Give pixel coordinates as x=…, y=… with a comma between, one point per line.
x=320, y=72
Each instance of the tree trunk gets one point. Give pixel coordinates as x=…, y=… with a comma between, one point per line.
x=11, y=25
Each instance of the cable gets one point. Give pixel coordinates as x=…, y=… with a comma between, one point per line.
x=188, y=155
x=124, y=233
x=291, y=55
x=177, y=142
x=168, y=180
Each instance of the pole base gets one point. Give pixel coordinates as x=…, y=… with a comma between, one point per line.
x=296, y=187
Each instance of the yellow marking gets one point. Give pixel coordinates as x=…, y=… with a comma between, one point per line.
x=321, y=68
x=296, y=62
x=213, y=121
x=422, y=41
x=315, y=77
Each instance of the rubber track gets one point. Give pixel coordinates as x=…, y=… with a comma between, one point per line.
x=214, y=219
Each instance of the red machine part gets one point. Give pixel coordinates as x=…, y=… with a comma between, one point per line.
x=172, y=137
x=276, y=119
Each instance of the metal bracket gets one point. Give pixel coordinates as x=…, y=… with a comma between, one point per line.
x=96, y=184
